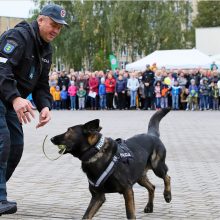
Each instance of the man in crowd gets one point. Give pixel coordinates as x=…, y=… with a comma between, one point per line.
x=148, y=81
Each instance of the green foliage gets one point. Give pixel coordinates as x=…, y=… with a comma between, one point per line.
x=208, y=14
x=99, y=28
x=100, y=61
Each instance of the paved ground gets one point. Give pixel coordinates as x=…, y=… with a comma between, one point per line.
x=58, y=190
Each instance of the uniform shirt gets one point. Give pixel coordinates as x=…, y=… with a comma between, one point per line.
x=20, y=72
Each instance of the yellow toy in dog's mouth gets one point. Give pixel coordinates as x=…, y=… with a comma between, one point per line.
x=62, y=149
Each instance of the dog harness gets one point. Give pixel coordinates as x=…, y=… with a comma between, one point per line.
x=123, y=154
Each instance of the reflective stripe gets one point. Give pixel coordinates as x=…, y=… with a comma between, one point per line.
x=105, y=173
x=3, y=60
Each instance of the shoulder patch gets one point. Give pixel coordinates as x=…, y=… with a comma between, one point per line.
x=9, y=48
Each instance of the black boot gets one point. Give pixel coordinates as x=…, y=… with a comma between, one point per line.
x=7, y=207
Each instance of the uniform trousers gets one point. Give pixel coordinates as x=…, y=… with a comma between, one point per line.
x=11, y=145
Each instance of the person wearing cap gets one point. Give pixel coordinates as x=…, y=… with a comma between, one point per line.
x=25, y=60
x=148, y=78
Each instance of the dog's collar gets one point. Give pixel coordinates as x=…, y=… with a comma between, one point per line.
x=100, y=143
x=93, y=150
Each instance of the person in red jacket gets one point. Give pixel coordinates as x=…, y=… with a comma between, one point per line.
x=93, y=90
x=110, y=90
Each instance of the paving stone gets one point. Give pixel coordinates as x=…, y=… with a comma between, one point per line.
x=46, y=190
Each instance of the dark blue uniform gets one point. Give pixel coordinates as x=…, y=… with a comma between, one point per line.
x=20, y=72
x=25, y=61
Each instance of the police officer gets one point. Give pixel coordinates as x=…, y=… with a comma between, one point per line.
x=25, y=60
x=148, y=81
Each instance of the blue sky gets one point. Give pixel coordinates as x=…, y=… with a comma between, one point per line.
x=16, y=8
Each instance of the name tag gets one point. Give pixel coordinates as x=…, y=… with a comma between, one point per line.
x=125, y=154
x=3, y=60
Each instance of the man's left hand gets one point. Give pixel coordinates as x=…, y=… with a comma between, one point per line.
x=44, y=117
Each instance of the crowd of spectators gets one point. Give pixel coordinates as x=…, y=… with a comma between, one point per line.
x=192, y=89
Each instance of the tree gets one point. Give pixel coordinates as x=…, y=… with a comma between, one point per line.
x=99, y=28
x=208, y=14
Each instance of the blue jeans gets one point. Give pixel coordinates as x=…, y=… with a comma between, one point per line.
x=11, y=145
x=57, y=105
x=204, y=102
x=102, y=101
x=72, y=102
x=175, y=101
x=164, y=102
x=133, y=95
x=158, y=102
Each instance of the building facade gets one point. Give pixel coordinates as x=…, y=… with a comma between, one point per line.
x=7, y=23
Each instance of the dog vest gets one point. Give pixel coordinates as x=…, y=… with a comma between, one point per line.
x=123, y=154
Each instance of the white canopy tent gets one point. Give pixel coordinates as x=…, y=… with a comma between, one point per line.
x=216, y=59
x=172, y=59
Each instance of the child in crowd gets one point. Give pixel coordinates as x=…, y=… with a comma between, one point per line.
x=204, y=94
x=52, y=92
x=193, y=96
x=157, y=92
x=215, y=95
x=64, y=96
x=133, y=86
x=184, y=98
x=175, y=91
x=81, y=93
x=102, y=94
x=57, y=98
x=164, y=95
x=72, y=90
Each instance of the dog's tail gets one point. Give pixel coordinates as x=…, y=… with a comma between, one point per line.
x=153, y=127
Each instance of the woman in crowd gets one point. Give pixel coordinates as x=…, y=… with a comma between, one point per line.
x=93, y=90
x=110, y=90
x=133, y=86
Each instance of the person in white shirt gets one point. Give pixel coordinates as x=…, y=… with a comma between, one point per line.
x=133, y=86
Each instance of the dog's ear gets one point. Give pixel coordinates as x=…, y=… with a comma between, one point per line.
x=92, y=126
x=99, y=129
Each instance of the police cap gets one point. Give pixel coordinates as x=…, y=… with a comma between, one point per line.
x=55, y=12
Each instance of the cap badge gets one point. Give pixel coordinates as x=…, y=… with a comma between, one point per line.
x=63, y=13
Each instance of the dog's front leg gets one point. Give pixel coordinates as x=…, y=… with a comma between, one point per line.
x=129, y=203
x=96, y=202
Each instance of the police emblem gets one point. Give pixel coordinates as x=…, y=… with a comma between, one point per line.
x=63, y=13
x=9, y=48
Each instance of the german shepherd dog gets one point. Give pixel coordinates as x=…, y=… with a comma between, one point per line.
x=116, y=165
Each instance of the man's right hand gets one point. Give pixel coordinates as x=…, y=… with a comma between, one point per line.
x=24, y=109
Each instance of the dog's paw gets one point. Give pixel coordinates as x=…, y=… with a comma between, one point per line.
x=149, y=208
x=167, y=196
